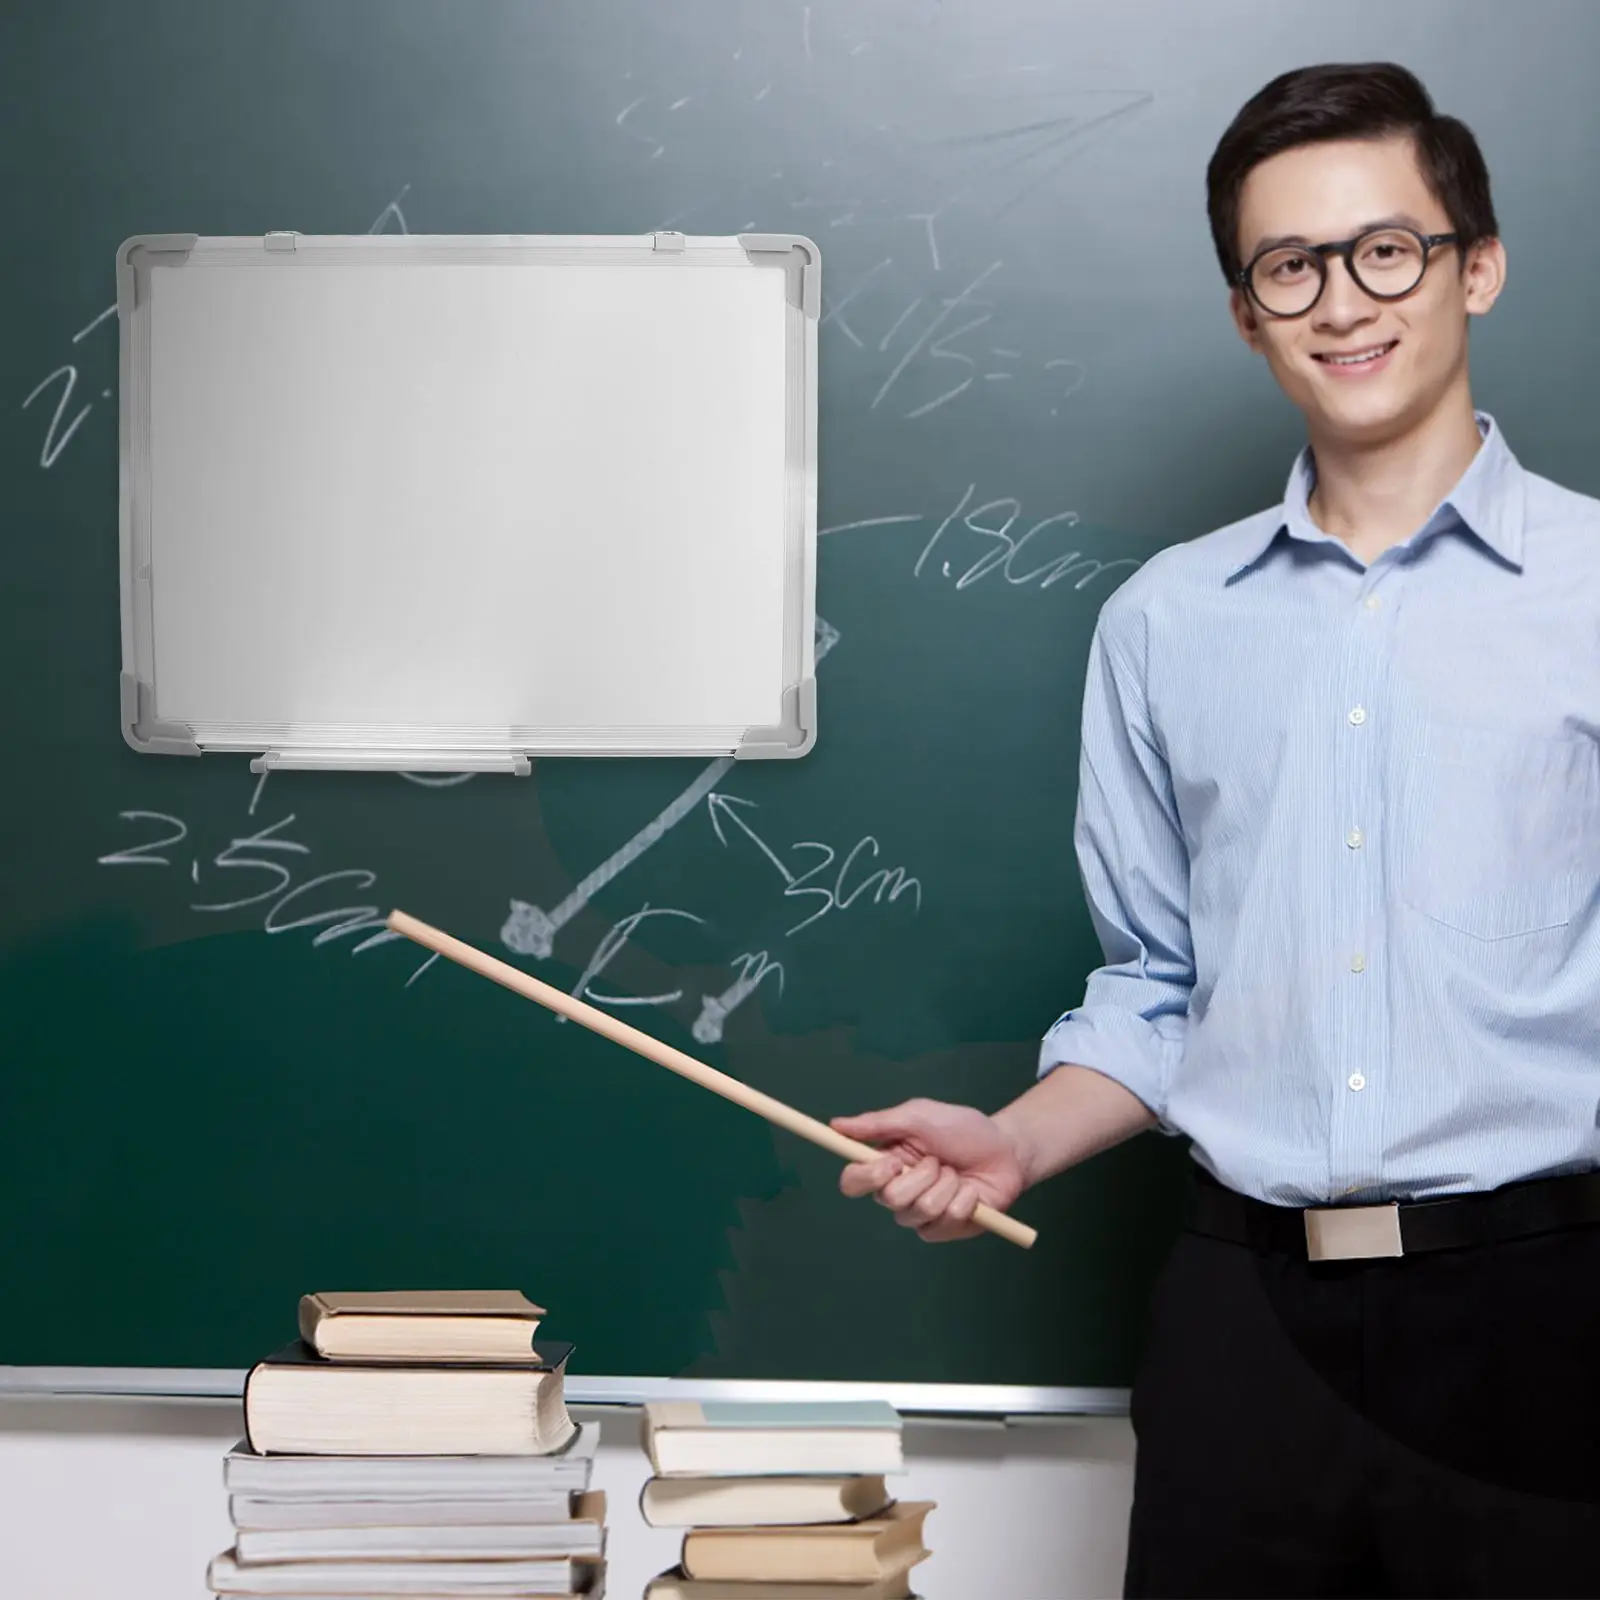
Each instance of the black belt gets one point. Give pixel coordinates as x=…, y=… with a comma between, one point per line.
x=1346, y=1233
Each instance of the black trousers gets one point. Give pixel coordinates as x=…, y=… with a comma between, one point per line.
x=1428, y=1425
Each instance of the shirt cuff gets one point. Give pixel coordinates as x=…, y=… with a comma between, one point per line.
x=1120, y=1045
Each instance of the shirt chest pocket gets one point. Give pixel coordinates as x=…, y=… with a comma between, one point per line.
x=1498, y=833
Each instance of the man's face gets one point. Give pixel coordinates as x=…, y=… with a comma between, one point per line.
x=1322, y=192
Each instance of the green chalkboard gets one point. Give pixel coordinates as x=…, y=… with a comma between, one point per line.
x=216, y=1091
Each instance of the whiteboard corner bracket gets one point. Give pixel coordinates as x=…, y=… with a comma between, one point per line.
x=793, y=737
x=801, y=260
x=144, y=731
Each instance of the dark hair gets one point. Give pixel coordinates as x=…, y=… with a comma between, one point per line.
x=1344, y=100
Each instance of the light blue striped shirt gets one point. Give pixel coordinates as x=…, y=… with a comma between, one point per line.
x=1339, y=829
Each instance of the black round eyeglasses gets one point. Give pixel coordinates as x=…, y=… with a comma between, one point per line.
x=1287, y=280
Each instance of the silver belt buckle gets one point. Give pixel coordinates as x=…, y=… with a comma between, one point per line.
x=1353, y=1233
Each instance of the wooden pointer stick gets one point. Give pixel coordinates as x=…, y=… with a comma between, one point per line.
x=664, y=1055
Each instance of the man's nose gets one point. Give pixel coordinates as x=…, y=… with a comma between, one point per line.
x=1344, y=303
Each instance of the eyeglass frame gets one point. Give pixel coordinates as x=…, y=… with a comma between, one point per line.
x=1345, y=250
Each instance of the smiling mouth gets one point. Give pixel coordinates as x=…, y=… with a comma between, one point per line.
x=1356, y=358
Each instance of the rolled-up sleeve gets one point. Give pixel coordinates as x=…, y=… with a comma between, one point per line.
x=1135, y=869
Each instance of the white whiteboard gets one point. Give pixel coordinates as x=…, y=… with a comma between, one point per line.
x=449, y=502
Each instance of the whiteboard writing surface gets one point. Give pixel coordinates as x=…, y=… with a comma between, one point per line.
x=455, y=502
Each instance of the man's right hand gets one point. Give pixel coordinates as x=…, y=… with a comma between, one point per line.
x=938, y=1162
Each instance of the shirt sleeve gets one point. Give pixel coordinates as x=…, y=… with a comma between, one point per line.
x=1135, y=868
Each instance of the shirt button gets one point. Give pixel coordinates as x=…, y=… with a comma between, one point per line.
x=1354, y=839
x=1356, y=1082
x=1358, y=715
x=1372, y=602
x=1358, y=962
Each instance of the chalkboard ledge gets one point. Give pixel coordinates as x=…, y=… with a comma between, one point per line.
x=931, y=1399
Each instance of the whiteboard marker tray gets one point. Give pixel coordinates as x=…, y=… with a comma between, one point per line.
x=452, y=503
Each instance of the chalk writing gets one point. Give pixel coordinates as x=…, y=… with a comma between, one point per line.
x=57, y=438
x=715, y=1009
x=1031, y=558
x=940, y=349
x=836, y=892
x=61, y=428
x=934, y=344
x=141, y=854
x=392, y=213
x=1006, y=140
x=1004, y=549
x=284, y=904
x=657, y=148
x=237, y=858
x=611, y=946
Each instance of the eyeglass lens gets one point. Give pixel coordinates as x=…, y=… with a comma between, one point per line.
x=1386, y=263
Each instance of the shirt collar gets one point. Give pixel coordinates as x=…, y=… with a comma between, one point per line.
x=1487, y=501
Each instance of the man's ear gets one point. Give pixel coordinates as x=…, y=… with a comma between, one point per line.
x=1245, y=319
x=1484, y=275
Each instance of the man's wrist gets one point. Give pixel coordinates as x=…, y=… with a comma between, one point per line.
x=1012, y=1124
x=1072, y=1113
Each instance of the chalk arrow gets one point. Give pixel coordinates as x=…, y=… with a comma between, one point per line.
x=530, y=930
x=723, y=808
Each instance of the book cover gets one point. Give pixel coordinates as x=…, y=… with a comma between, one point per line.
x=438, y=1324
x=852, y=1552
x=773, y=1414
x=361, y=1539
x=686, y=1438
x=551, y=1354
x=288, y=1477
x=760, y=1502
x=228, y=1575
x=422, y=1303
x=295, y=1403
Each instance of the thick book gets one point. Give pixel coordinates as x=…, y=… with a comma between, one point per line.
x=488, y=1325
x=248, y=1513
x=301, y=1477
x=581, y=1535
x=688, y=1438
x=298, y=1404
x=759, y=1502
x=384, y=1580
x=675, y=1586
x=846, y=1552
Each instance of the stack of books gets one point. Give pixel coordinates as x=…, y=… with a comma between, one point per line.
x=781, y=1501
x=413, y=1444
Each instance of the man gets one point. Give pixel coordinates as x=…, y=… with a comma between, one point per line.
x=1339, y=828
